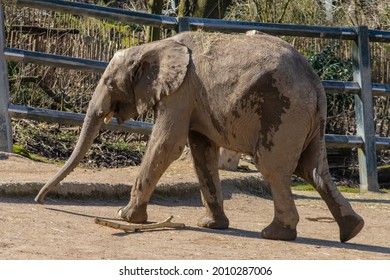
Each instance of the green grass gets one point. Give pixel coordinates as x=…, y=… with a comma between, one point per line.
x=348, y=189
x=302, y=187
x=343, y=189
x=22, y=152
x=307, y=187
x=45, y=160
x=384, y=168
x=19, y=150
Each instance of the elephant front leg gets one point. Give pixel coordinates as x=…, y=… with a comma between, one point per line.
x=205, y=154
x=163, y=149
x=135, y=211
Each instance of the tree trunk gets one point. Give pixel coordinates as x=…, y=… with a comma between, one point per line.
x=154, y=33
x=203, y=8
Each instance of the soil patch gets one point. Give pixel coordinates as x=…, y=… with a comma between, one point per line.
x=64, y=228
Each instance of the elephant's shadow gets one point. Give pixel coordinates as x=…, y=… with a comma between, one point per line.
x=193, y=199
x=237, y=232
x=300, y=240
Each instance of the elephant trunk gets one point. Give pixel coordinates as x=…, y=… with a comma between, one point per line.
x=88, y=133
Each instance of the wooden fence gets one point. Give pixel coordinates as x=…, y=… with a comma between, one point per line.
x=361, y=87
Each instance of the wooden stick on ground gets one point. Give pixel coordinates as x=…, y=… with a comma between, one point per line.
x=136, y=227
x=322, y=219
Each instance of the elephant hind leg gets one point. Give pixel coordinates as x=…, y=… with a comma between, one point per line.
x=284, y=224
x=205, y=154
x=277, y=168
x=349, y=222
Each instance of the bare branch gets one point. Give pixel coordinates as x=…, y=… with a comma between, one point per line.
x=136, y=227
x=322, y=219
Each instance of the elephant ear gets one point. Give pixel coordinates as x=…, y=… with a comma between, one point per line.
x=159, y=72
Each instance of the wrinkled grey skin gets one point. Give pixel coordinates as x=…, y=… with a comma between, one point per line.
x=253, y=94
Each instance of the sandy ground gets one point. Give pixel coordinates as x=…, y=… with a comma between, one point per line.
x=64, y=227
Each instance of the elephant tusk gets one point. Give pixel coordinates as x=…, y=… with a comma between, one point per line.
x=108, y=117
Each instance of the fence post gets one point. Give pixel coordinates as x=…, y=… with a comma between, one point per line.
x=184, y=24
x=365, y=125
x=5, y=121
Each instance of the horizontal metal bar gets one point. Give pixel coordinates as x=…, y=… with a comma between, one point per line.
x=55, y=60
x=99, y=66
x=353, y=141
x=347, y=33
x=343, y=141
x=170, y=22
x=84, y=9
x=379, y=36
x=381, y=89
x=90, y=10
x=341, y=87
x=333, y=87
x=382, y=143
x=68, y=118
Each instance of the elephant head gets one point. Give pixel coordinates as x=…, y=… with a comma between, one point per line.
x=135, y=81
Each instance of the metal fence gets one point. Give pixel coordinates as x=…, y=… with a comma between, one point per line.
x=362, y=87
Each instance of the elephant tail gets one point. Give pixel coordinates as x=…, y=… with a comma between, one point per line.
x=322, y=169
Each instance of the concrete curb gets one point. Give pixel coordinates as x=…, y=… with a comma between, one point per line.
x=252, y=184
x=22, y=177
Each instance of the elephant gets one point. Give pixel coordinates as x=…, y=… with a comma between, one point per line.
x=254, y=94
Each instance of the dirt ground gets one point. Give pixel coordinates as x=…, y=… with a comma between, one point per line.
x=64, y=227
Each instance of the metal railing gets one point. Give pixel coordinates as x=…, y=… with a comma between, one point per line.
x=362, y=87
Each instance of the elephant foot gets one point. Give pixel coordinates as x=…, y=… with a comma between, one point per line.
x=134, y=214
x=276, y=231
x=214, y=221
x=350, y=226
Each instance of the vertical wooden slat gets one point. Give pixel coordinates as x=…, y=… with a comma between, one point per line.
x=364, y=111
